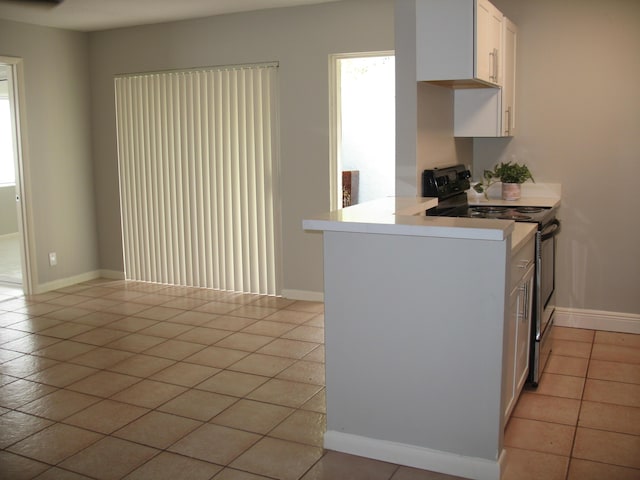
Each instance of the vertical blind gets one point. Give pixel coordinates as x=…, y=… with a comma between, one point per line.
x=198, y=177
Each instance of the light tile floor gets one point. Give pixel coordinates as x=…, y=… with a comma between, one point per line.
x=112, y=379
x=583, y=420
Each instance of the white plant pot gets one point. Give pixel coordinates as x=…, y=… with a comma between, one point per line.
x=511, y=191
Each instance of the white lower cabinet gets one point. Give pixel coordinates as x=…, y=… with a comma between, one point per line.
x=518, y=328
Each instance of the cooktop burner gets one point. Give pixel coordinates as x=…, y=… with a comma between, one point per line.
x=517, y=214
x=518, y=217
x=489, y=210
x=503, y=213
x=529, y=209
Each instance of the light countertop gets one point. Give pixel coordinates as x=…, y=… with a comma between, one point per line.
x=405, y=216
x=522, y=232
x=533, y=195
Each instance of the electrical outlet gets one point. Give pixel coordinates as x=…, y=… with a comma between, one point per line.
x=53, y=259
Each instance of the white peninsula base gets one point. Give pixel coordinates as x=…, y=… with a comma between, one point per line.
x=414, y=338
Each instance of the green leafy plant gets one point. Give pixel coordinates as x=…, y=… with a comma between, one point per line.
x=505, y=173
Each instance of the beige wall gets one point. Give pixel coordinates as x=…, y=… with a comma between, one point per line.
x=58, y=146
x=300, y=39
x=579, y=125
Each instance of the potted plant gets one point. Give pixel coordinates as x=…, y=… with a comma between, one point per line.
x=512, y=176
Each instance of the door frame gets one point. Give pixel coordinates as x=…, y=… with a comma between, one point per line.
x=21, y=158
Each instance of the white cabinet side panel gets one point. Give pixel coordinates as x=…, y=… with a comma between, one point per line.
x=445, y=39
x=407, y=359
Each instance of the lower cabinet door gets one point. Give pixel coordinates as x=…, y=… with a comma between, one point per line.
x=523, y=336
x=518, y=334
x=508, y=390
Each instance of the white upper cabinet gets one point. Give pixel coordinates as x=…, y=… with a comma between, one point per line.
x=489, y=112
x=458, y=42
x=488, y=42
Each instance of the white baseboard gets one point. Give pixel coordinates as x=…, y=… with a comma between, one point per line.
x=111, y=274
x=597, y=320
x=9, y=235
x=84, y=277
x=414, y=456
x=66, y=282
x=305, y=295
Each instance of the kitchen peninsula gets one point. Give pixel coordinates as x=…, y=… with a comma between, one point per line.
x=419, y=302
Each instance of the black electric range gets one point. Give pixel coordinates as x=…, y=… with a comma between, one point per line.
x=450, y=185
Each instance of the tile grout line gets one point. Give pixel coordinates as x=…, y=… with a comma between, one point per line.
x=575, y=431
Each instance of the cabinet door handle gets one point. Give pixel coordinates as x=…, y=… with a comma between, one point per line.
x=494, y=65
x=524, y=264
x=491, y=69
x=492, y=62
x=506, y=121
x=522, y=303
x=507, y=114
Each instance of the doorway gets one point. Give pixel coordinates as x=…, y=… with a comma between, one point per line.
x=15, y=275
x=363, y=127
x=10, y=260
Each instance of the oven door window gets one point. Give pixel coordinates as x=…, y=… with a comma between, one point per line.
x=547, y=270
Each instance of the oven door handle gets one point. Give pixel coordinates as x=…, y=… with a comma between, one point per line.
x=550, y=230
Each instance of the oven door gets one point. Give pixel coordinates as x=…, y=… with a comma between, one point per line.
x=546, y=273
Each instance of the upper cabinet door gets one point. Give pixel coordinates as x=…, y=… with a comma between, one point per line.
x=488, y=42
x=458, y=42
x=509, y=42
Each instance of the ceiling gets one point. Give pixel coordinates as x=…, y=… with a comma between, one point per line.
x=92, y=15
